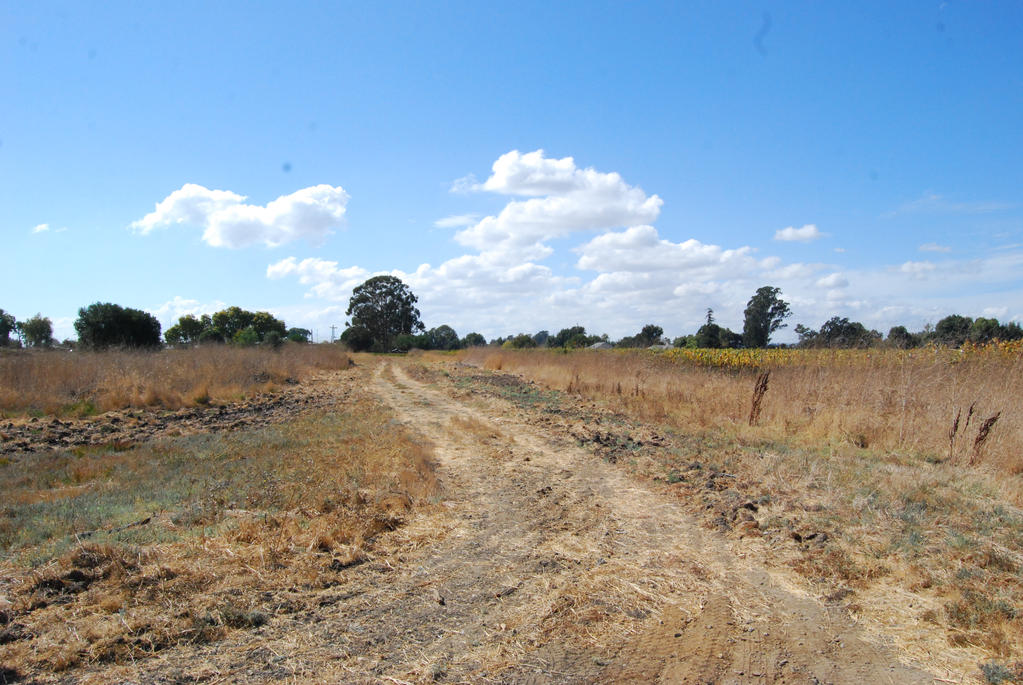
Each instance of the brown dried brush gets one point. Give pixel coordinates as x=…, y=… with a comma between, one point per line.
x=759, y=390
x=982, y=436
x=954, y=430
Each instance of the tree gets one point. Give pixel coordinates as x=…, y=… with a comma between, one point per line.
x=187, y=330
x=520, y=342
x=443, y=338
x=953, y=330
x=474, y=340
x=385, y=307
x=37, y=331
x=984, y=330
x=565, y=335
x=8, y=325
x=265, y=323
x=901, y=338
x=541, y=338
x=356, y=338
x=837, y=332
x=299, y=335
x=102, y=325
x=229, y=322
x=765, y=313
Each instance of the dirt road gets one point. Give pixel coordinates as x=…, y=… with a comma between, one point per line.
x=539, y=563
x=557, y=567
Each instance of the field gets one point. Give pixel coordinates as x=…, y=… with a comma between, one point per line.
x=232, y=515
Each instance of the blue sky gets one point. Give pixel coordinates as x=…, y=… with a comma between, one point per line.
x=523, y=166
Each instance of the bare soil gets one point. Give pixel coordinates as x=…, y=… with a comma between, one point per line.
x=542, y=562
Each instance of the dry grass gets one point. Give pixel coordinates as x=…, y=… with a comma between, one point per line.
x=892, y=401
x=862, y=453
x=117, y=555
x=83, y=383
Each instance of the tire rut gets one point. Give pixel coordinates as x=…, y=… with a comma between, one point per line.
x=606, y=580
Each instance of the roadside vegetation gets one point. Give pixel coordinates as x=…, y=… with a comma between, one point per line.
x=892, y=473
x=111, y=554
x=86, y=383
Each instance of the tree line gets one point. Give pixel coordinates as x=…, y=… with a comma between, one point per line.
x=105, y=325
x=383, y=317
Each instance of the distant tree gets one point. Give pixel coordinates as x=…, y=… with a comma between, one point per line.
x=408, y=341
x=8, y=325
x=443, y=338
x=520, y=341
x=651, y=335
x=899, y=337
x=984, y=330
x=474, y=340
x=384, y=306
x=564, y=335
x=765, y=314
x=265, y=323
x=840, y=332
x=356, y=338
x=1010, y=331
x=299, y=335
x=229, y=322
x=102, y=325
x=272, y=339
x=709, y=335
x=187, y=330
x=246, y=337
x=953, y=330
x=37, y=331
x=541, y=338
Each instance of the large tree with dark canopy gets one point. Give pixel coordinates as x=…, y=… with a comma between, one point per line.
x=765, y=313
x=386, y=308
x=103, y=325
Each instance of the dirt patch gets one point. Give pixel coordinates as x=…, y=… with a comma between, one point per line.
x=125, y=428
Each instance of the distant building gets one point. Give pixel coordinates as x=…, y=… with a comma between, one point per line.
x=601, y=346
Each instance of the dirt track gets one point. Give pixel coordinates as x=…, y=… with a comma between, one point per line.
x=540, y=563
x=600, y=579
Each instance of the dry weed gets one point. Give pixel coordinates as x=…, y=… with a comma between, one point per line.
x=84, y=383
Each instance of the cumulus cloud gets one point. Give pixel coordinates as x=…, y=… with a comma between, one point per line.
x=641, y=249
x=934, y=247
x=41, y=228
x=325, y=278
x=806, y=234
x=627, y=272
x=457, y=221
x=835, y=281
x=563, y=199
x=918, y=270
x=310, y=213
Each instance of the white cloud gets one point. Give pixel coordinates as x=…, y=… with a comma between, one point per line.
x=806, y=234
x=933, y=203
x=934, y=247
x=328, y=281
x=628, y=274
x=918, y=270
x=310, y=213
x=640, y=249
x=835, y=281
x=457, y=221
x=573, y=200
x=169, y=312
x=41, y=228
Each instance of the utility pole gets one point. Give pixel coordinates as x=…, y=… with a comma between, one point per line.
x=332, y=329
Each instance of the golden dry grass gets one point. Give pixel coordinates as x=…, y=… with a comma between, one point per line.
x=860, y=449
x=894, y=401
x=82, y=383
x=118, y=555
